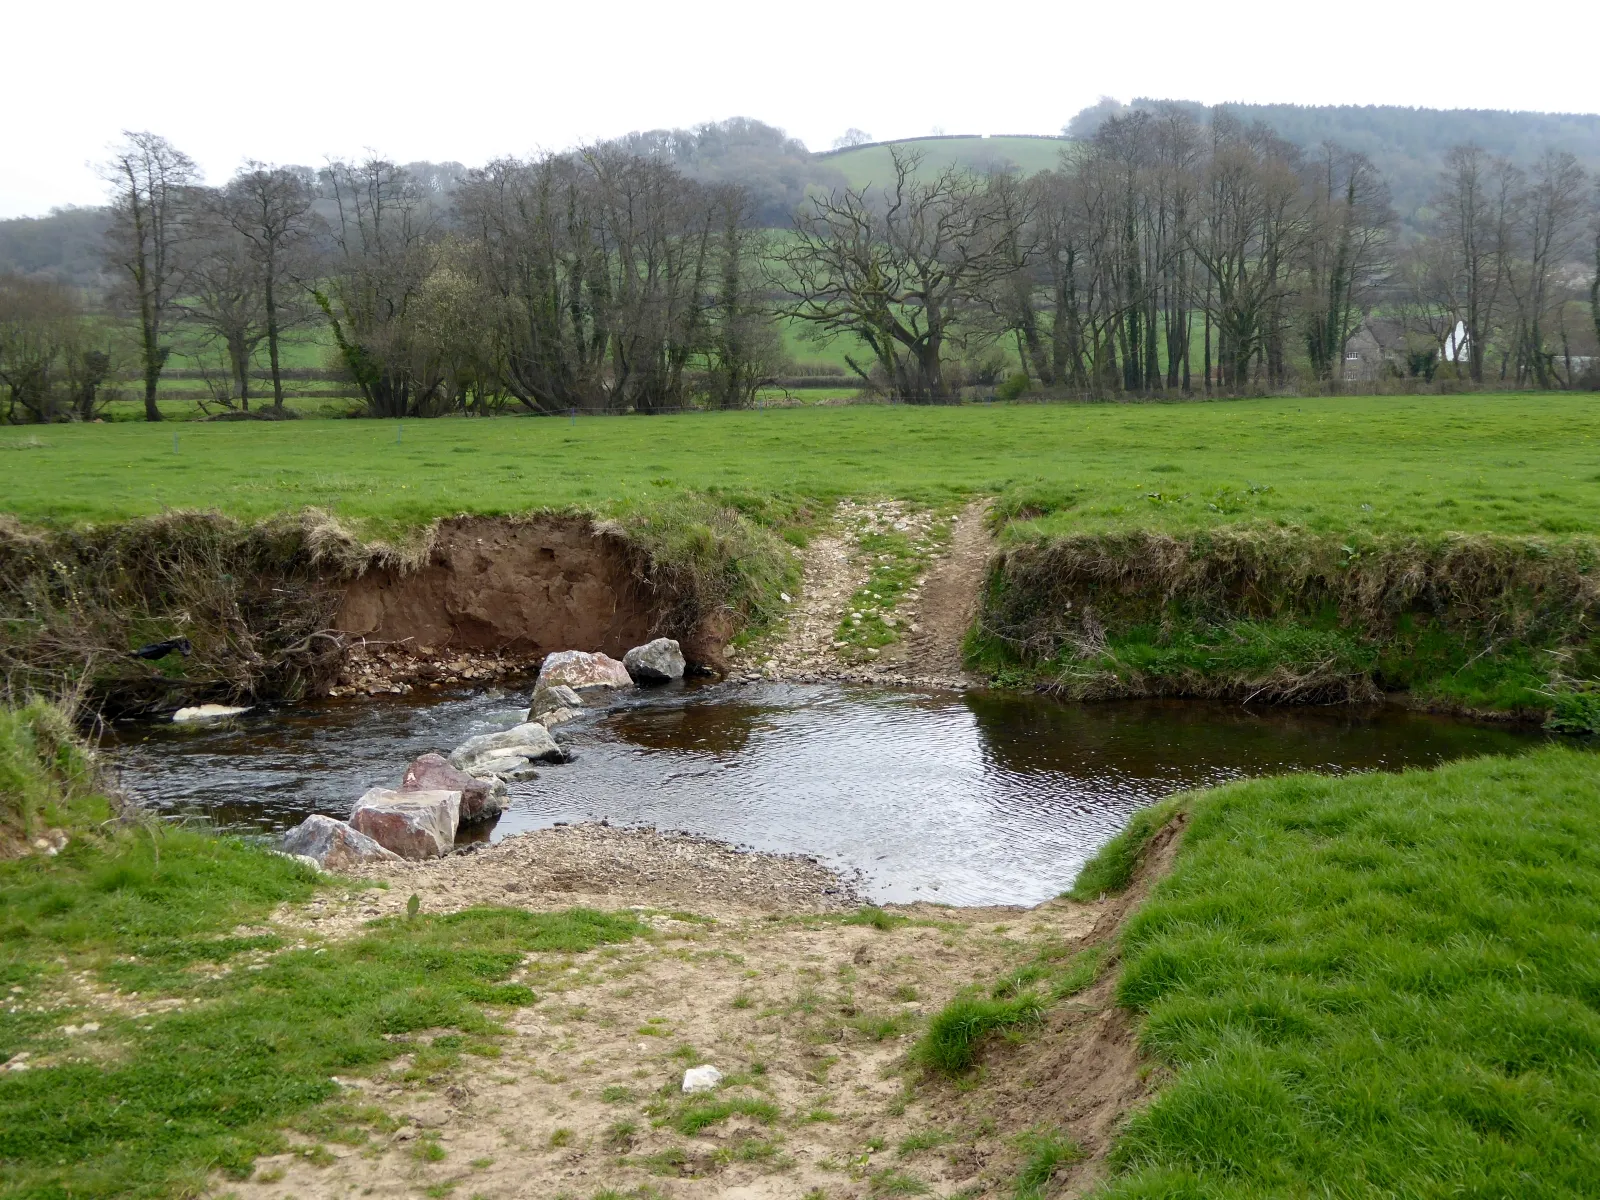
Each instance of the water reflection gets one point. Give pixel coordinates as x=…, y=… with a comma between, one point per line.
x=976, y=799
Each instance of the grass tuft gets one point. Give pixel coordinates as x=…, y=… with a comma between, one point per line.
x=955, y=1035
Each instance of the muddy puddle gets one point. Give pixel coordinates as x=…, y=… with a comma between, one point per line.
x=975, y=799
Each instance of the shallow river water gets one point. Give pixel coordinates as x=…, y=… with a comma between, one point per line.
x=973, y=799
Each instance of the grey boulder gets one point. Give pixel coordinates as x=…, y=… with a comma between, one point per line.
x=334, y=845
x=579, y=669
x=481, y=799
x=547, y=699
x=529, y=741
x=506, y=770
x=655, y=662
x=412, y=824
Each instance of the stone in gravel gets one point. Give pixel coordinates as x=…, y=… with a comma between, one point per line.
x=333, y=845
x=701, y=1079
x=480, y=798
x=579, y=669
x=655, y=662
x=530, y=741
x=412, y=824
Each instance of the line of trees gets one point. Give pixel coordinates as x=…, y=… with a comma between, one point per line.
x=1168, y=255
x=1165, y=255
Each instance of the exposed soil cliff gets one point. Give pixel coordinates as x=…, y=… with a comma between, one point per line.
x=522, y=587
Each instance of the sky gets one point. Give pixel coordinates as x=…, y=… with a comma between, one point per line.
x=470, y=80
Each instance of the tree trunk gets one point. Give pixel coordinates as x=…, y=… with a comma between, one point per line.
x=272, y=334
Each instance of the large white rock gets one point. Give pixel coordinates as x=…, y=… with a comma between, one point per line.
x=412, y=824
x=579, y=669
x=655, y=662
x=701, y=1079
x=333, y=845
x=529, y=741
x=209, y=712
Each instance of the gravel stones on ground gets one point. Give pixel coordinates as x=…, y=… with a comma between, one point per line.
x=606, y=865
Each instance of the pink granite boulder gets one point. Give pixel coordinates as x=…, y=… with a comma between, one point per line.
x=578, y=669
x=480, y=798
x=412, y=824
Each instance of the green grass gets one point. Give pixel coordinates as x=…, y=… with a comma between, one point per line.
x=870, y=166
x=150, y=1103
x=1512, y=464
x=955, y=1035
x=1046, y=1152
x=1386, y=984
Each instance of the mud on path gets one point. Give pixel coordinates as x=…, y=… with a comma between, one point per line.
x=933, y=616
x=759, y=965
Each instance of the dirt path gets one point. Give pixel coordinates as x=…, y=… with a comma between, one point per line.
x=949, y=600
x=751, y=963
x=934, y=613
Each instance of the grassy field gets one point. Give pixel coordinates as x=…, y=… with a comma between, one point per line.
x=1510, y=464
x=1380, y=985
x=869, y=166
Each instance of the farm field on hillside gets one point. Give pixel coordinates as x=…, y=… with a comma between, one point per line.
x=870, y=166
x=1511, y=464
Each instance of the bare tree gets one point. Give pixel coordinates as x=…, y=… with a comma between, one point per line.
x=1475, y=205
x=270, y=209
x=379, y=254
x=895, y=268
x=1594, y=285
x=1246, y=237
x=1346, y=257
x=151, y=186
x=223, y=297
x=35, y=319
x=1550, y=219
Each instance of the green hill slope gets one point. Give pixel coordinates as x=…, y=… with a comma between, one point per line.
x=868, y=166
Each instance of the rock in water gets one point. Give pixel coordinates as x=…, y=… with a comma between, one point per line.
x=701, y=1079
x=529, y=741
x=480, y=798
x=655, y=662
x=556, y=716
x=209, y=712
x=548, y=699
x=580, y=669
x=505, y=770
x=333, y=845
x=412, y=824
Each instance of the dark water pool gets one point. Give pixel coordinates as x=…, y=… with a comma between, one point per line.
x=970, y=799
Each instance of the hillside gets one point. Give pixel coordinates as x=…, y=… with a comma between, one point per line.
x=864, y=166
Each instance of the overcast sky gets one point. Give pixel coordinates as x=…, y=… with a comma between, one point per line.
x=295, y=82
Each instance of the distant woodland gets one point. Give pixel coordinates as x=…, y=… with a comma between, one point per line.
x=1156, y=248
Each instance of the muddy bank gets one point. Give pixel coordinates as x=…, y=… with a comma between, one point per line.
x=269, y=611
x=523, y=588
